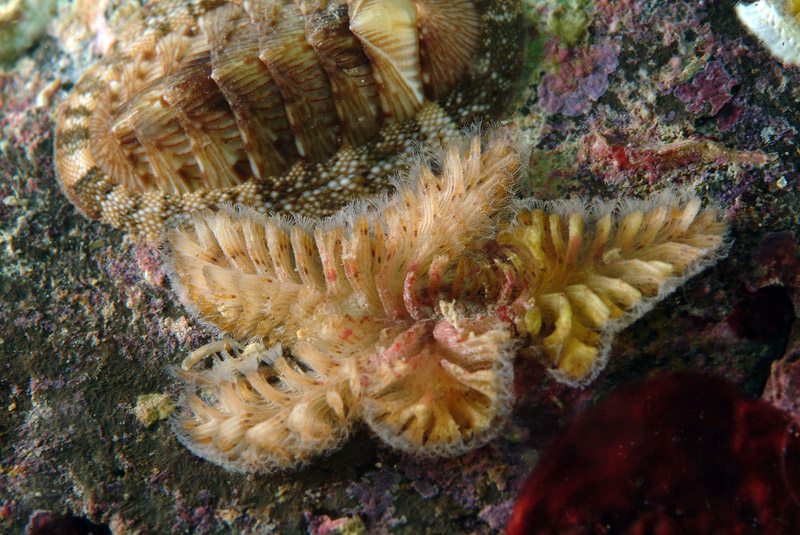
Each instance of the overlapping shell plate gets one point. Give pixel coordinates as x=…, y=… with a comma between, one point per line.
x=281, y=105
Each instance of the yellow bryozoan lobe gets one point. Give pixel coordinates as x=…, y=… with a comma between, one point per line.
x=407, y=312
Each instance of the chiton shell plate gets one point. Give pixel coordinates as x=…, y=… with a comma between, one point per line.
x=277, y=104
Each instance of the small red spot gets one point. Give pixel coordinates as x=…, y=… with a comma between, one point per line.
x=620, y=156
x=346, y=333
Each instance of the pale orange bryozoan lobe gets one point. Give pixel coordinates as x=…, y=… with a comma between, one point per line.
x=281, y=105
x=776, y=23
x=406, y=312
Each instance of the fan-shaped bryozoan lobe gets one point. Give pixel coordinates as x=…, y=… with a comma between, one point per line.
x=281, y=105
x=406, y=313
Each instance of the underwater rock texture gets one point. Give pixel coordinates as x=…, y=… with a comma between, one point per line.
x=90, y=323
x=21, y=23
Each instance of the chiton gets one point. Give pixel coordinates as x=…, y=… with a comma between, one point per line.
x=280, y=105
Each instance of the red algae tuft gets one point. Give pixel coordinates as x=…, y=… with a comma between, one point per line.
x=612, y=156
x=680, y=453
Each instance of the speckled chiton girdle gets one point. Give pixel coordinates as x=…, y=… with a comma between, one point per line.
x=277, y=104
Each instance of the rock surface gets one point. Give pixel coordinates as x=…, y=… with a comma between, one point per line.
x=620, y=98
